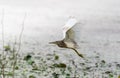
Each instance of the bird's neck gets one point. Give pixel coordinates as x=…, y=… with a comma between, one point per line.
x=62, y=44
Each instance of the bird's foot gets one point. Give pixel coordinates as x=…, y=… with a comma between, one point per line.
x=81, y=55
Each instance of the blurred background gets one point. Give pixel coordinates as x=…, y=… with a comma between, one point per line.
x=100, y=24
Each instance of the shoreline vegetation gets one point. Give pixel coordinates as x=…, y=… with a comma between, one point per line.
x=15, y=65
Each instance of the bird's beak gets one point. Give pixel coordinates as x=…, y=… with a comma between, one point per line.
x=52, y=42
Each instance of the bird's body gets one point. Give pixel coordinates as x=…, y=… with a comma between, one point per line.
x=70, y=44
x=69, y=36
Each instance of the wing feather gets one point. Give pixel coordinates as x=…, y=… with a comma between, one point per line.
x=72, y=31
x=69, y=24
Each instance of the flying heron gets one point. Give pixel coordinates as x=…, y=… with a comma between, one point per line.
x=70, y=36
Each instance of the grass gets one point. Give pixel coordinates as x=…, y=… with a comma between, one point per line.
x=50, y=66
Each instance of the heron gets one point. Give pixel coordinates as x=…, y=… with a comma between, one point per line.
x=70, y=36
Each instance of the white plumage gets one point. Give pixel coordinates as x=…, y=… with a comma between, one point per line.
x=69, y=24
x=70, y=36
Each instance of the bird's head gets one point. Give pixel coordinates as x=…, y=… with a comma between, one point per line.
x=55, y=42
x=59, y=43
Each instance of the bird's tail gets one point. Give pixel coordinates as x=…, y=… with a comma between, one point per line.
x=78, y=53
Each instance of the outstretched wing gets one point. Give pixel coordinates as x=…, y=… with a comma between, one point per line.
x=69, y=24
x=72, y=31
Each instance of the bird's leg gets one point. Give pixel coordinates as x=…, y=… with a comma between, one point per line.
x=78, y=53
